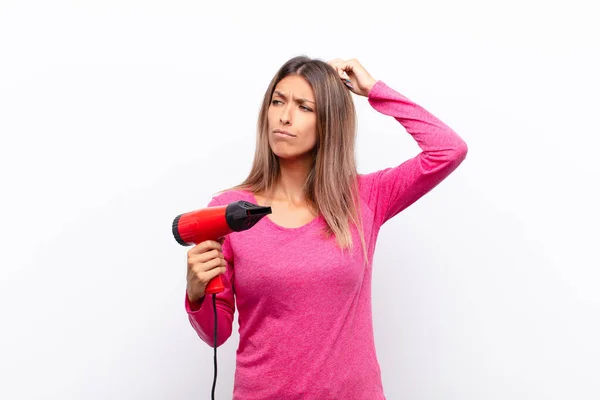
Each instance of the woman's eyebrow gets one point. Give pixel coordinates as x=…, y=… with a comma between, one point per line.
x=277, y=92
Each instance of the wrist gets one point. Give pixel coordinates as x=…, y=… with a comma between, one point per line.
x=195, y=303
x=370, y=86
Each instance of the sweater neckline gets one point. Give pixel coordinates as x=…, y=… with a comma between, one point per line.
x=273, y=224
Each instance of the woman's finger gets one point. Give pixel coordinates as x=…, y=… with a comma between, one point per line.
x=337, y=64
x=340, y=70
x=342, y=73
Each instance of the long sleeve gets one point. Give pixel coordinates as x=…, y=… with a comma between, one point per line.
x=391, y=190
x=203, y=319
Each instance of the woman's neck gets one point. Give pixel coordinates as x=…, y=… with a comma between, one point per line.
x=292, y=179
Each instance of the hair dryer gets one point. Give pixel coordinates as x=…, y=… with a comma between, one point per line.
x=212, y=223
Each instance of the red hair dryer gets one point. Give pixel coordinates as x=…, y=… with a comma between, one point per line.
x=212, y=223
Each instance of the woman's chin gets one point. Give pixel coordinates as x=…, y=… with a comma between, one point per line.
x=284, y=153
x=287, y=153
x=292, y=157
x=285, y=156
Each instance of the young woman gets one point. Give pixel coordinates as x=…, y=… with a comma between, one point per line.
x=301, y=277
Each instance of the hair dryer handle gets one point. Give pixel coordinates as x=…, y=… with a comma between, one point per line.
x=215, y=285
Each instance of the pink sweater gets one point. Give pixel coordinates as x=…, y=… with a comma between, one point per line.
x=305, y=320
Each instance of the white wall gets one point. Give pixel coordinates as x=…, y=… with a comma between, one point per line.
x=116, y=116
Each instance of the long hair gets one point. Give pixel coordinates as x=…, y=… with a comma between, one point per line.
x=331, y=187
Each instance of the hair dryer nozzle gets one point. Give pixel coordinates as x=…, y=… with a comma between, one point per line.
x=243, y=215
x=176, y=231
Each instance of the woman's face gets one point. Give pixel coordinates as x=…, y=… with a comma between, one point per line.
x=292, y=110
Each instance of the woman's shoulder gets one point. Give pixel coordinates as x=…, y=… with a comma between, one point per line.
x=228, y=196
x=365, y=181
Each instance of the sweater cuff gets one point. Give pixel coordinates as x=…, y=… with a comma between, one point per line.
x=375, y=88
x=188, y=305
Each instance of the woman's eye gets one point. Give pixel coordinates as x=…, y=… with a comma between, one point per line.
x=275, y=102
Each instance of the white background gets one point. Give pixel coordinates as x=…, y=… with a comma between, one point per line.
x=115, y=116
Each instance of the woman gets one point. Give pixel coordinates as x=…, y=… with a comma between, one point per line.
x=301, y=277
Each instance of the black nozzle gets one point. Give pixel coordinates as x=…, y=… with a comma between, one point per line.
x=243, y=215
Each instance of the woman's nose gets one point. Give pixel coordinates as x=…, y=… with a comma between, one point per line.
x=285, y=116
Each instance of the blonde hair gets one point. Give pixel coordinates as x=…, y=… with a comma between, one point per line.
x=331, y=187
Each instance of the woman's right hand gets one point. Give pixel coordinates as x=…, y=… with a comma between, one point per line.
x=205, y=261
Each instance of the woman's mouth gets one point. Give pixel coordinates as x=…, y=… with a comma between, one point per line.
x=280, y=133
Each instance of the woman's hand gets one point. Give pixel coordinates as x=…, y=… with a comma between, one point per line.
x=205, y=261
x=354, y=75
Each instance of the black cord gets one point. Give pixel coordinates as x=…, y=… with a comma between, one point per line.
x=215, y=345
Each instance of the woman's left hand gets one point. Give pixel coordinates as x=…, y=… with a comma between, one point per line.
x=354, y=75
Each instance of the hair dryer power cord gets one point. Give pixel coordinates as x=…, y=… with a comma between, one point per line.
x=214, y=296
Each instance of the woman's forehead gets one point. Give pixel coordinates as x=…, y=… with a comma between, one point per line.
x=295, y=86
